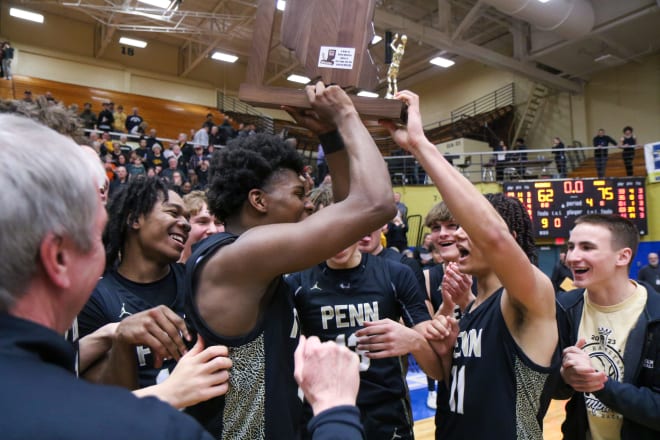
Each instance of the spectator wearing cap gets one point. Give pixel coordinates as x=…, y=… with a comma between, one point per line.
x=27, y=96
x=120, y=119
x=106, y=118
x=156, y=158
x=197, y=158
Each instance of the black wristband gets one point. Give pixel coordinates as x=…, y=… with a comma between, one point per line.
x=331, y=142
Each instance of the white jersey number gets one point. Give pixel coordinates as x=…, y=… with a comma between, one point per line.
x=352, y=344
x=457, y=389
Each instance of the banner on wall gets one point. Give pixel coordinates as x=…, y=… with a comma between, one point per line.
x=652, y=159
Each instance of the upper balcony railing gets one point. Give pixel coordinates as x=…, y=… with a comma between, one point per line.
x=512, y=165
x=499, y=98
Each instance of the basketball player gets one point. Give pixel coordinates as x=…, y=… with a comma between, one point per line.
x=238, y=297
x=500, y=360
x=143, y=288
x=357, y=300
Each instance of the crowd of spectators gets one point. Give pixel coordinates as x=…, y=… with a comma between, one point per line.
x=128, y=147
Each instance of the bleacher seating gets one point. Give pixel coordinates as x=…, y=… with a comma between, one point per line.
x=168, y=117
x=615, y=167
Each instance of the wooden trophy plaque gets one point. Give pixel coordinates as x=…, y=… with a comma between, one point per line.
x=330, y=38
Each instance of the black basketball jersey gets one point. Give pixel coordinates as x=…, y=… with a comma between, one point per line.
x=402, y=258
x=496, y=391
x=333, y=305
x=262, y=401
x=112, y=301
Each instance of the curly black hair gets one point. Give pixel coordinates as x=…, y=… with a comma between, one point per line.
x=245, y=164
x=514, y=215
x=126, y=206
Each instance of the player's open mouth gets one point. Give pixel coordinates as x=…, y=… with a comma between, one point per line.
x=178, y=238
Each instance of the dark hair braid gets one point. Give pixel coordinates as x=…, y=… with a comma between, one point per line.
x=135, y=199
x=514, y=214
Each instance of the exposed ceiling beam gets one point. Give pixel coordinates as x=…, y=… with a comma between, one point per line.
x=433, y=37
x=444, y=16
x=106, y=37
x=468, y=20
x=520, y=32
x=205, y=52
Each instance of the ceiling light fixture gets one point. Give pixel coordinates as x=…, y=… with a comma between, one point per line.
x=299, y=79
x=221, y=56
x=442, y=62
x=281, y=4
x=376, y=39
x=132, y=42
x=26, y=15
x=544, y=1
x=367, y=94
x=164, y=4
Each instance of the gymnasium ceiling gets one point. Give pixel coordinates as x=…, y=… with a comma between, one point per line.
x=461, y=30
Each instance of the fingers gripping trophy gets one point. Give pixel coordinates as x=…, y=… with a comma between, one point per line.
x=393, y=71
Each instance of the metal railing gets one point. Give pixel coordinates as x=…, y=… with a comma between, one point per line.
x=485, y=167
x=499, y=98
x=230, y=104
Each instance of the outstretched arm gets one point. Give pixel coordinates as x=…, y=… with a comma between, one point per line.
x=529, y=292
x=231, y=287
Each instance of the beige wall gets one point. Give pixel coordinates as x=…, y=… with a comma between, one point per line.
x=58, y=66
x=626, y=95
x=453, y=88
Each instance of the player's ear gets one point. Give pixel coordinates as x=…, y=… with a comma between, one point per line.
x=257, y=199
x=624, y=256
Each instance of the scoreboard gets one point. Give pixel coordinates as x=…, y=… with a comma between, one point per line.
x=553, y=205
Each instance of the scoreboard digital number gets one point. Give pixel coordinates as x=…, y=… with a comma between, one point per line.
x=553, y=205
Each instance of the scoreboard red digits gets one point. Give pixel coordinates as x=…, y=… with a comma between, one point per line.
x=553, y=205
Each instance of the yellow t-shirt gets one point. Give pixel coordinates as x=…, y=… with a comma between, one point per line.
x=606, y=329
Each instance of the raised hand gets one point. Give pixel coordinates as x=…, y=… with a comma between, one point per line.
x=331, y=103
x=327, y=373
x=201, y=374
x=385, y=338
x=159, y=328
x=441, y=332
x=457, y=285
x=412, y=135
x=310, y=120
x=578, y=372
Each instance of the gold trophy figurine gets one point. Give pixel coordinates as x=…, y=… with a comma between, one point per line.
x=393, y=71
